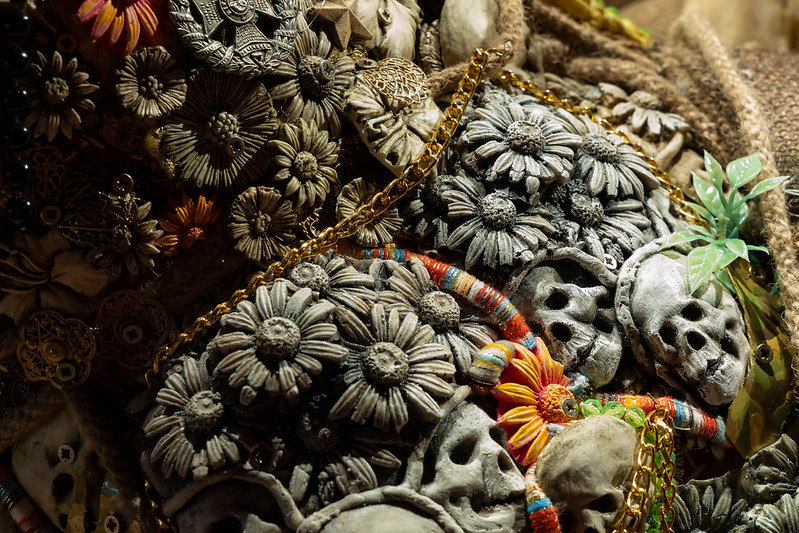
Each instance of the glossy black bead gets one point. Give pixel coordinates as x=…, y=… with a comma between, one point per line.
x=17, y=135
x=17, y=172
x=16, y=97
x=16, y=60
x=17, y=24
x=20, y=209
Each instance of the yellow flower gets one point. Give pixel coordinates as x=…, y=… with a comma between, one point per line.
x=530, y=395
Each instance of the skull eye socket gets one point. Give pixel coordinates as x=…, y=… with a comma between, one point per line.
x=603, y=504
x=568, y=522
x=692, y=312
x=62, y=485
x=668, y=335
x=557, y=300
x=227, y=525
x=498, y=435
x=462, y=453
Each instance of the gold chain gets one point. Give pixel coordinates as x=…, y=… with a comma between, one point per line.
x=377, y=204
x=675, y=194
x=412, y=176
x=657, y=429
x=657, y=435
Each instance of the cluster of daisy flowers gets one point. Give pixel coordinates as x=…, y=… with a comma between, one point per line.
x=523, y=178
x=335, y=371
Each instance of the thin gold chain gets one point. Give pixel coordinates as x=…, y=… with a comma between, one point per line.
x=412, y=176
x=366, y=213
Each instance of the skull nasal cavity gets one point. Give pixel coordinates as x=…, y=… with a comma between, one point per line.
x=695, y=340
x=561, y=332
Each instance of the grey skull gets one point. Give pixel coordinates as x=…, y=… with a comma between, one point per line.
x=697, y=342
x=574, y=314
x=474, y=477
x=584, y=470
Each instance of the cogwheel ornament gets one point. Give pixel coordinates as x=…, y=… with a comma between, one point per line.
x=246, y=37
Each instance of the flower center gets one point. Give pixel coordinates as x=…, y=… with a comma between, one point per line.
x=598, y=146
x=120, y=239
x=316, y=75
x=383, y=363
x=586, y=210
x=222, y=128
x=549, y=403
x=277, y=338
x=304, y=166
x=440, y=310
x=318, y=434
x=525, y=137
x=497, y=211
x=204, y=411
x=260, y=223
x=56, y=91
x=310, y=275
x=150, y=87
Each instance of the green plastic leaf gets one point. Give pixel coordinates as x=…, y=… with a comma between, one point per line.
x=738, y=247
x=702, y=212
x=725, y=259
x=743, y=170
x=764, y=186
x=682, y=237
x=714, y=170
x=709, y=195
x=753, y=248
x=724, y=278
x=702, y=262
x=635, y=416
x=591, y=407
x=614, y=408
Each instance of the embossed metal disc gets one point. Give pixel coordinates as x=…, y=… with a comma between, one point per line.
x=246, y=37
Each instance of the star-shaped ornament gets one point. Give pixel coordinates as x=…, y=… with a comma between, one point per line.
x=341, y=23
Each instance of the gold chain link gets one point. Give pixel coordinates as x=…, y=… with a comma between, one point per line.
x=657, y=435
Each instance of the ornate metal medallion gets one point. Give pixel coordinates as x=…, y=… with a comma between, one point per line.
x=56, y=349
x=396, y=78
x=248, y=37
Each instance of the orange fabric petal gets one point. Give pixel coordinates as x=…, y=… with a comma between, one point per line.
x=169, y=226
x=103, y=21
x=536, y=447
x=115, y=30
x=167, y=240
x=134, y=31
x=514, y=393
x=89, y=9
x=528, y=372
x=518, y=415
x=149, y=22
x=526, y=433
